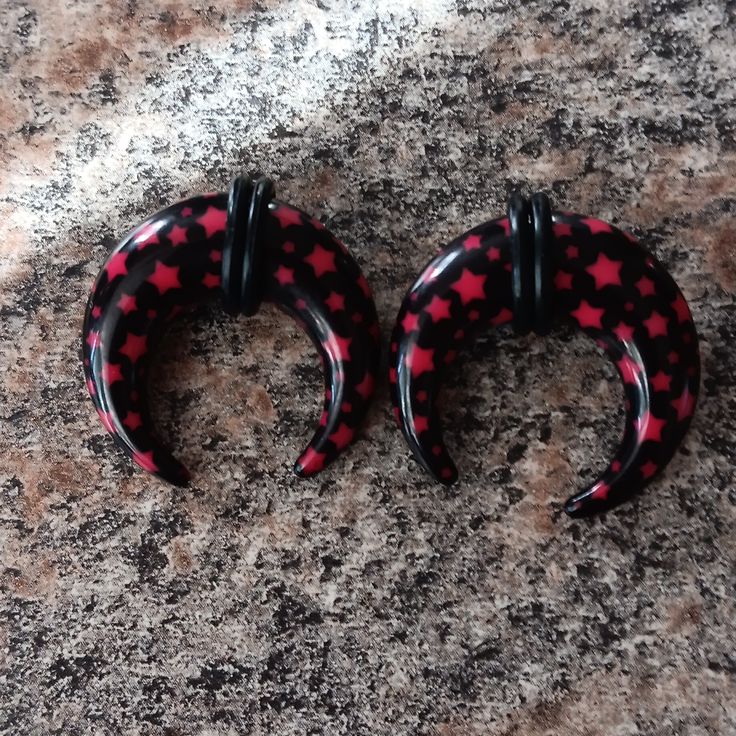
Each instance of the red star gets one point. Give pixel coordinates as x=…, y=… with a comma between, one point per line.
x=645, y=286
x=421, y=424
x=339, y=346
x=147, y=235
x=165, y=277
x=410, y=322
x=656, y=325
x=438, y=308
x=597, y=226
x=96, y=311
x=215, y=256
x=335, y=302
x=93, y=340
x=562, y=229
x=145, y=460
x=600, y=491
x=311, y=461
x=211, y=280
x=685, y=405
x=284, y=275
x=342, y=436
x=572, y=252
x=661, y=382
x=588, y=316
x=503, y=317
x=116, y=266
x=624, y=332
x=648, y=427
x=127, y=304
x=321, y=260
x=111, y=372
x=132, y=420
x=134, y=347
x=681, y=309
x=469, y=286
x=420, y=360
x=177, y=235
x=494, y=254
x=365, y=387
x=287, y=215
x=563, y=280
x=472, y=242
x=673, y=357
x=186, y=212
x=213, y=221
x=648, y=469
x=106, y=419
x=629, y=369
x=605, y=272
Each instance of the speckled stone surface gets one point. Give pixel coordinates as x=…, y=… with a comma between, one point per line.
x=369, y=600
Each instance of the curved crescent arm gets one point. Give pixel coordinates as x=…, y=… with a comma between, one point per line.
x=173, y=260
x=615, y=291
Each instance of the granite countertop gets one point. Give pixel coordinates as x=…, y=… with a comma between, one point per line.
x=368, y=600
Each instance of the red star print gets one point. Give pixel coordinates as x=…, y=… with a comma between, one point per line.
x=563, y=280
x=600, y=491
x=165, y=277
x=494, y=254
x=681, y=309
x=605, y=271
x=588, y=316
x=134, y=347
x=215, y=256
x=365, y=387
x=311, y=461
x=211, y=280
x=562, y=229
x=342, y=436
x=673, y=357
x=284, y=275
x=648, y=469
x=127, y=304
x=93, y=340
x=685, y=405
x=339, y=346
x=656, y=325
x=213, y=221
x=645, y=286
x=132, y=420
x=629, y=369
x=615, y=466
x=572, y=252
x=624, y=332
x=469, y=286
x=148, y=235
x=106, y=419
x=503, y=317
x=186, y=212
x=116, y=266
x=410, y=322
x=335, y=302
x=91, y=387
x=597, y=226
x=438, y=308
x=421, y=424
x=96, y=311
x=648, y=427
x=287, y=216
x=145, y=460
x=420, y=360
x=177, y=235
x=111, y=372
x=321, y=260
x=472, y=242
x=661, y=382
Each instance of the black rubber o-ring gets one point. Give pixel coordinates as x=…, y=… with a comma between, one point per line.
x=253, y=281
x=236, y=227
x=544, y=265
x=522, y=263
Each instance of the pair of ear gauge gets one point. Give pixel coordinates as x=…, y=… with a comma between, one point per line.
x=525, y=269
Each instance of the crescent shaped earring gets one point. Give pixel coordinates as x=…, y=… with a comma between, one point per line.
x=524, y=269
x=250, y=248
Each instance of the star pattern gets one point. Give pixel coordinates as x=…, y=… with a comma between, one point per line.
x=469, y=286
x=321, y=260
x=165, y=277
